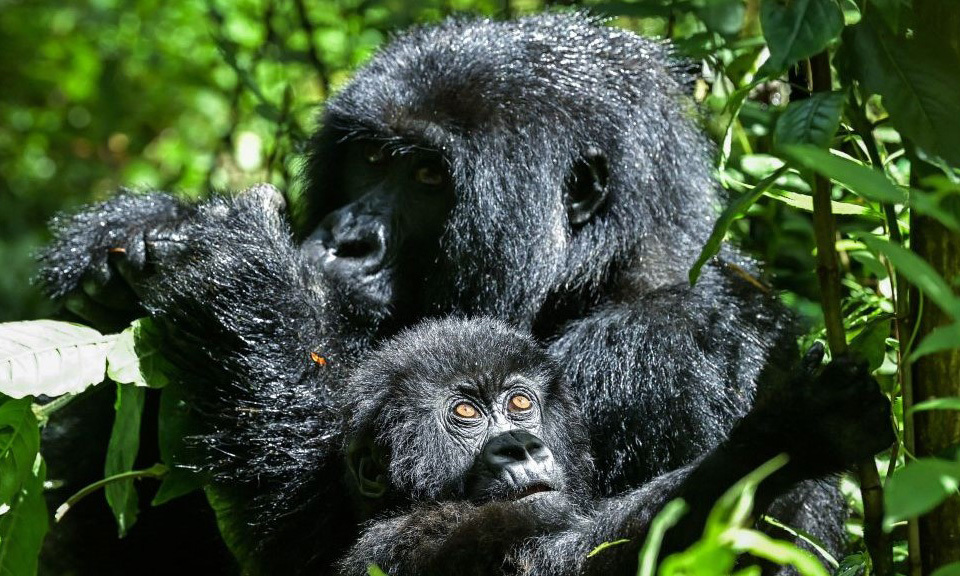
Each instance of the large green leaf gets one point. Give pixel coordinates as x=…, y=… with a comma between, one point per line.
x=122, y=454
x=735, y=210
x=951, y=569
x=23, y=527
x=814, y=121
x=918, y=488
x=19, y=444
x=135, y=358
x=939, y=339
x=916, y=271
x=51, y=358
x=917, y=81
x=177, y=421
x=797, y=29
x=862, y=180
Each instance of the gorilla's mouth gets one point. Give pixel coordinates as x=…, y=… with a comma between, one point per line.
x=530, y=490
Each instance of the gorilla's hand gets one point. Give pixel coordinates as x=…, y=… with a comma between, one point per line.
x=827, y=418
x=101, y=255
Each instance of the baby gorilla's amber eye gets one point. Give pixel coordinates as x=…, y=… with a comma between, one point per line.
x=431, y=174
x=373, y=153
x=465, y=410
x=519, y=403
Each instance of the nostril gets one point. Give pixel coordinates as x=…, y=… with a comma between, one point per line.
x=511, y=452
x=361, y=248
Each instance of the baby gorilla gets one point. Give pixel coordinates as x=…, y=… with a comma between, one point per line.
x=468, y=430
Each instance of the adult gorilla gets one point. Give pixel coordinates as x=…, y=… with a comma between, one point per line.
x=547, y=172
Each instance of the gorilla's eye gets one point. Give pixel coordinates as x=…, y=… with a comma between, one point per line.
x=466, y=410
x=519, y=403
x=431, y=174
x=373, y=153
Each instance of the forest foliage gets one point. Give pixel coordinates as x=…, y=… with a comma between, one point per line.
x=837, y=125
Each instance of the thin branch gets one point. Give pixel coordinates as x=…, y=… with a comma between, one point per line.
x=828, y=272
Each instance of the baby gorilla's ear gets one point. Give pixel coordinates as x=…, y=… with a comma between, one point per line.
x=367, y=468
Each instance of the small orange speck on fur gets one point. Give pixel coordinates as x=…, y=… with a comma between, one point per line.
x=318, y=359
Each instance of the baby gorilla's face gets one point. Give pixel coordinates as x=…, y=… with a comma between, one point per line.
x=499, y=429
x=464, y=410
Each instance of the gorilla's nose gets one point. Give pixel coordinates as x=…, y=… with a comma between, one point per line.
x=515, y=447
x=354, y=244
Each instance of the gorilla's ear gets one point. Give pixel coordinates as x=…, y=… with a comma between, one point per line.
x=586, y=188
x=367, y=469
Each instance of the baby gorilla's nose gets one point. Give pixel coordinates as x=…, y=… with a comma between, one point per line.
x=513, y=448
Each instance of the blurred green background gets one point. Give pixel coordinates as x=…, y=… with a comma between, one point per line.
x=195, y=95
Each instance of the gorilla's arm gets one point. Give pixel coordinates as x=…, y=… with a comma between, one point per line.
x=260, y=343
x=823, y=422
x=100, y=256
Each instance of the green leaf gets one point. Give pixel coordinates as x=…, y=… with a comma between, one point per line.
x=135, y=358
x=51, y=358
x=805, y=202
x=918, y=488
x=604, y=545
x=939, y=339
x=19, y=445
x=813, y=121
x=859, y=179
x=797, y=29
x=948, y=403
x=374, y=570
x=23, y=526
x=177, y=420
x=951, y=569
x=917, y=81
x=122, y=454
x=916, y=271
x=870, y=343
x=762, y=546
x=735, y=210
x=664, y=520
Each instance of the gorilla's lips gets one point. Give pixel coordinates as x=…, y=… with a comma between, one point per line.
x=531, y=489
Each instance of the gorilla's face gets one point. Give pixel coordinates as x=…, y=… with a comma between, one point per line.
x=463, y=410
x=386, y=219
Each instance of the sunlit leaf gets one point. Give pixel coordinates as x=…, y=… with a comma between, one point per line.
x=51, y=358
x=862, y=180
x=948, y=403
x=939, y=339
x=735, y=210
x=951, y=569
x=916, y=271
x=918, y=488
x=664, y=520
x=135, y=358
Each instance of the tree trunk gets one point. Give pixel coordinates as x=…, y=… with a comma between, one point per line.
x=937, y=375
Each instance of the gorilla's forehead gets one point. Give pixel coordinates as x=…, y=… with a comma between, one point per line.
x=465, y=74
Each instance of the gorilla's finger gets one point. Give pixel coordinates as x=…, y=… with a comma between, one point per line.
x=813, y=358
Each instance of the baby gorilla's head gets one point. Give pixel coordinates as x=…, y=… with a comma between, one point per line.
x=464, y=410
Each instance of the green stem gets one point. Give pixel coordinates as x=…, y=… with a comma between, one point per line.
x=156, y=471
